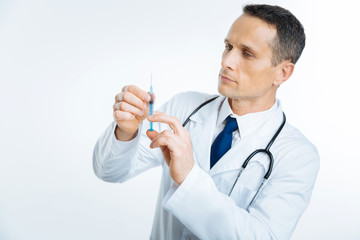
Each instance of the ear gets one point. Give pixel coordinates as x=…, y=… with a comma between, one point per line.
x=283, y=72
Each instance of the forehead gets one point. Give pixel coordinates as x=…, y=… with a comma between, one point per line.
x=252, y=32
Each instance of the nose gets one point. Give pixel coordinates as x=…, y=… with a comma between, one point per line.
x=229, y=60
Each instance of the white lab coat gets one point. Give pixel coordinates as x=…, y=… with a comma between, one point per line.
x=200, y=207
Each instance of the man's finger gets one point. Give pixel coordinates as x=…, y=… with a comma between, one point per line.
x=151, y=134
x=121, y=116
x=137, y=92
x=130, y=98
x=164, y=139
x=126, y=107
x=157, y=139
x=173, y=122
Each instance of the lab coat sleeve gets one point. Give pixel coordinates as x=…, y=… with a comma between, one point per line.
x=118, y=161
x=210, y=214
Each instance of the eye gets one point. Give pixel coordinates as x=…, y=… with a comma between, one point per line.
x=247, y=54
x=228, y=47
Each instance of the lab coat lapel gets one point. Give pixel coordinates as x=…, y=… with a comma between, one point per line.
x=235, y=157
x=202, y=130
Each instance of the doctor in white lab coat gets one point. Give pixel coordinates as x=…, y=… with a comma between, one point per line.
x=193, y=201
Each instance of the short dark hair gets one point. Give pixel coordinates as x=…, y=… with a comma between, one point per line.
x=290, y=37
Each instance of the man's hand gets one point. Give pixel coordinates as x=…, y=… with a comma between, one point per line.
x=175, y=146
x=130, y=109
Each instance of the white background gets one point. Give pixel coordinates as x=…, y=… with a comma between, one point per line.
x=62, y=62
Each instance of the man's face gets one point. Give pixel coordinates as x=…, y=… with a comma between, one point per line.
x=247, y=72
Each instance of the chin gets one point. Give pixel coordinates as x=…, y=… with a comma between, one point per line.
x=225, y=91
x=228, y=92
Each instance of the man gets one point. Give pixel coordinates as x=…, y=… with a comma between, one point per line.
x=200, y=196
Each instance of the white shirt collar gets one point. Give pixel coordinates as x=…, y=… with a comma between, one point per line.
x=247, y=123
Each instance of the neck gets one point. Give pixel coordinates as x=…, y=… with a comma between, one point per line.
x=244, y=106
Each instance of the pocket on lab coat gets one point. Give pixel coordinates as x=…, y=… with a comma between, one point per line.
x=242, y=195
x=187, y=235
x=247, y=184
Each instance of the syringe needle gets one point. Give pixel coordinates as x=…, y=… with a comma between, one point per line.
x=151, y=104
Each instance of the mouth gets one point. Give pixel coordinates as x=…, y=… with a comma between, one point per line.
x=225, y=78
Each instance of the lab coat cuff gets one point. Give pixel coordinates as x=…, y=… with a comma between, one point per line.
x=122, y=147
x=177, y=193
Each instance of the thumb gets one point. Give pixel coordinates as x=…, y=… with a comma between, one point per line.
x=151, y=134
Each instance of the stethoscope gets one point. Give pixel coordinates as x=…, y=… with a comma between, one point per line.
x=266, y=151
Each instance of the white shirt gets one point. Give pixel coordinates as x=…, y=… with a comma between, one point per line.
x=246, y=124
x=200, y=207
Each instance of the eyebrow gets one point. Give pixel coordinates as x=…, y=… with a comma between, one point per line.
x=242, y=46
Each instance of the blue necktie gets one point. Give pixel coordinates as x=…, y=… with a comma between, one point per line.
x=222, y=142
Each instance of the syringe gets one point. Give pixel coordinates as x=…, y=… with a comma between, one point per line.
x=151, y=104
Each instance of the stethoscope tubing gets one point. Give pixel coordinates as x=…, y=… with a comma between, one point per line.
x=266, y=151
